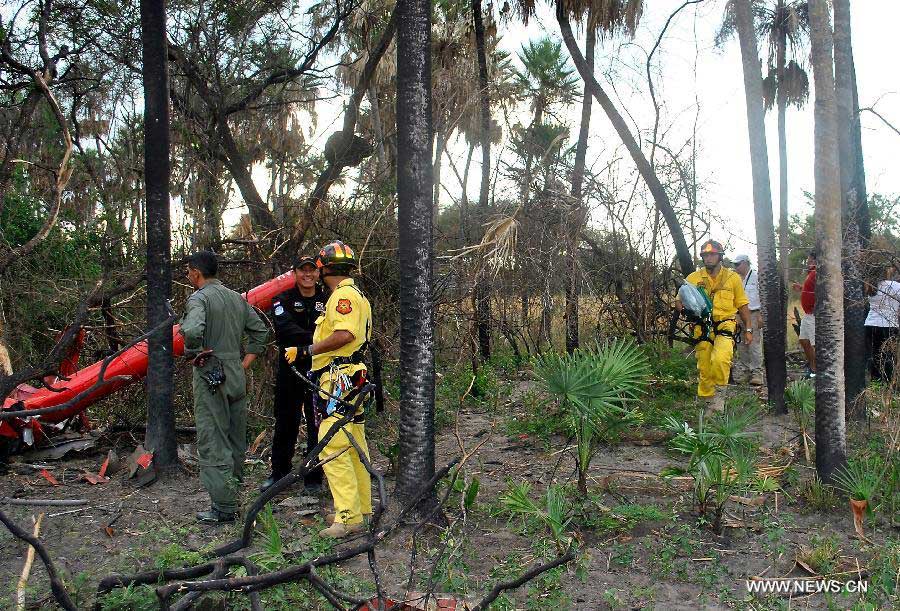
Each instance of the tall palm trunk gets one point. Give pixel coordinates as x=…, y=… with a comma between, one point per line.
x=660, y=197
x=378, y=131
x=464, y=200
x=414, y=193
x=855, y=343
x=481, y=298
x=160, y=436
x=783, y=227
x=770, y=280
x=831, y=440
x=579, y=211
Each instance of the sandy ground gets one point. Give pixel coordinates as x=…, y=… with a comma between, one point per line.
x=663, y=563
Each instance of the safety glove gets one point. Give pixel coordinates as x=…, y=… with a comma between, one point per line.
x=293, y=352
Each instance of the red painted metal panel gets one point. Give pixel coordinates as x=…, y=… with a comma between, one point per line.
x=131, y=363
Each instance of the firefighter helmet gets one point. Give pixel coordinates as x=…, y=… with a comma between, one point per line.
x=711, y=246
x=337, y=256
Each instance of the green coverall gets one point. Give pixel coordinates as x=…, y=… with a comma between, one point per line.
x=216, y=318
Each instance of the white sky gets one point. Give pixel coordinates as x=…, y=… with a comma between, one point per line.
x=724, y=161
x=723, y=166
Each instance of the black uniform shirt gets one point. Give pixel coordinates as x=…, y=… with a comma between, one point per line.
x=295, y=316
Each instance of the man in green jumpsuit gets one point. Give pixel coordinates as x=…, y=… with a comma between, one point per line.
x=214, y=321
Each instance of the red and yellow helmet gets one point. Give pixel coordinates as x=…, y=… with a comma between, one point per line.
x=337, y=256
x=711, y=246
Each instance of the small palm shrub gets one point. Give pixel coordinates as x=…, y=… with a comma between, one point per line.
x=800, y=397
x=722, y=458
x=597, y=391
x=553, y=511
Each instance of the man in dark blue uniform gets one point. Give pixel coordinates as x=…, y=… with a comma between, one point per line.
x=295, y=312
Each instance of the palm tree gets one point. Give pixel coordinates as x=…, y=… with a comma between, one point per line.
x=784, y=27
x=414, y=196
x=545, y=80
x=480, y=298
x=160, y=436
x=616, y=16
x=771, y=293
x=626, y=13
x=855, y=210
x=831, y=440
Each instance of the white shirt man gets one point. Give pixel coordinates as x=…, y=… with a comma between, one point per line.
x=748, y=366
x=882, y=324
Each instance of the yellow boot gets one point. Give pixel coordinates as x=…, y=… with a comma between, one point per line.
x=339, y=530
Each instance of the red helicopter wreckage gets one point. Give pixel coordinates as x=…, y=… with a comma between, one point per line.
x=81, y=387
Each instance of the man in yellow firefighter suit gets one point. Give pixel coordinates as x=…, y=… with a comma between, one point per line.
x=341, y=336
x=726, y=291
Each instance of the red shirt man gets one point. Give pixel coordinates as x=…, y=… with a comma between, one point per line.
x=808, y=292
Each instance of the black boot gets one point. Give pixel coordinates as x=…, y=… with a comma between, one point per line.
x=214, y=516
x=269, y=482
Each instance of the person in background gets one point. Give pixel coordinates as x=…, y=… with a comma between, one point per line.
x=883, y=323
x=294, y=313
x=748, y=365
x=807, y=292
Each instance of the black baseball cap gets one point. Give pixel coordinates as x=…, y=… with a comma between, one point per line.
x=305, y=260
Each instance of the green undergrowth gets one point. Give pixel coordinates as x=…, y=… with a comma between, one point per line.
x=673, y=386
x=271, y=552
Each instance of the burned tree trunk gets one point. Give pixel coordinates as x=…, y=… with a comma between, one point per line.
x=660, y=197
x=579, y=211
x=770, y=279
x=481, y=303
x=160, y=437
x=831, y=435
x=853, y=204
x=414, y=193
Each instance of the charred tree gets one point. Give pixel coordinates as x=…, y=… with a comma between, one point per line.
x=481, y=298
x=660, y=197
x=831, y=434
x=414, y=191
x=770, y=279
x=160, y=437
x=579, y=211
x=853, y=209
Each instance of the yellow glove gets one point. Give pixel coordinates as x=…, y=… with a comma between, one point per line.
x=290, y=354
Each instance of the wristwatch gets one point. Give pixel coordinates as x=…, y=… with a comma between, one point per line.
x=748, y=330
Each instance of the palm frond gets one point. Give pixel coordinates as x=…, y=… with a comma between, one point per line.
x=801, y=396
x=600, y=384
x=795, y=84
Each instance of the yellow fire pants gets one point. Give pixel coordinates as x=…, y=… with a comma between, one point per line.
x=714, y=361
x=348, y=480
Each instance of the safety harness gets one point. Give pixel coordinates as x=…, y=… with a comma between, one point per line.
x=342, y=404
x=341, y=382
x=703, y=320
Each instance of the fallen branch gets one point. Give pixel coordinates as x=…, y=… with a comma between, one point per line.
x=48, y=502
x=525, y=577
x=253, y=583
x=26, y=569
x=56, y=584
